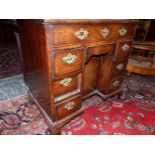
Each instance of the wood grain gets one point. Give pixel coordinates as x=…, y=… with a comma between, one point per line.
x=65, y=34
x=44, y=45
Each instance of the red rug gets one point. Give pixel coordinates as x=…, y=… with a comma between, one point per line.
x=112, y=118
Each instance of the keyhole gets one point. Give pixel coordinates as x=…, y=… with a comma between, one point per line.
x=81, y=34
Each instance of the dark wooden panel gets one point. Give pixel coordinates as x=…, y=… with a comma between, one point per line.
x=35, y=56
x=104, y=73
x=90, y=75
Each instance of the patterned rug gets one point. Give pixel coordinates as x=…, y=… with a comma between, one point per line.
x=19, y=117
x=133, y=113
x=10, y=61
x=130, y=117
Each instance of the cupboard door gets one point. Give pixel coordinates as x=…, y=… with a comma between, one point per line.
x=105, y=65
x=90, y=75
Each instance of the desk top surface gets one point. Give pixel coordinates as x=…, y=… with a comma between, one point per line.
x=85, y=21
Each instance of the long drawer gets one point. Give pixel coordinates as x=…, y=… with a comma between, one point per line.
x=73, y=34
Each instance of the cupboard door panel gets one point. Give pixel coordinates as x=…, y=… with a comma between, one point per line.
x=90, y=75
x=104, y=73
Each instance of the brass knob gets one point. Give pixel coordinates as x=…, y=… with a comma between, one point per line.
x=69, y=58
x=116, y=83
x=105, y=32
x=69, y=105
x=122, y=31
x=120, y=66
x=81, y=34
x=66, y=82
x=125, y=47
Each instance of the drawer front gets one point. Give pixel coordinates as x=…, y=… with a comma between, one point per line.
x=118, y=68
x=73, y=34
x=123, y=50
x=101, y=49
x=68, y=107
x=115, y=84
x=65, y=85
x=67, y=61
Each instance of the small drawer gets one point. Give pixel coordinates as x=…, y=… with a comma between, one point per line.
x=67, y=61
x=118, y=68
x=74, y=34
x=66, y=108
x=65, y=85
x=101, y=49
x=123, y=50
x=115, y=84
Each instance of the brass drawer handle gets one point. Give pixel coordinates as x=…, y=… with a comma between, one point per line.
x=116, y=83
x=69, y=58
x=122, y=31
x=66, y=82
x=125, y=47
x=105, y=32
x=81, y=34
x=69, y=105
x=120, y=66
